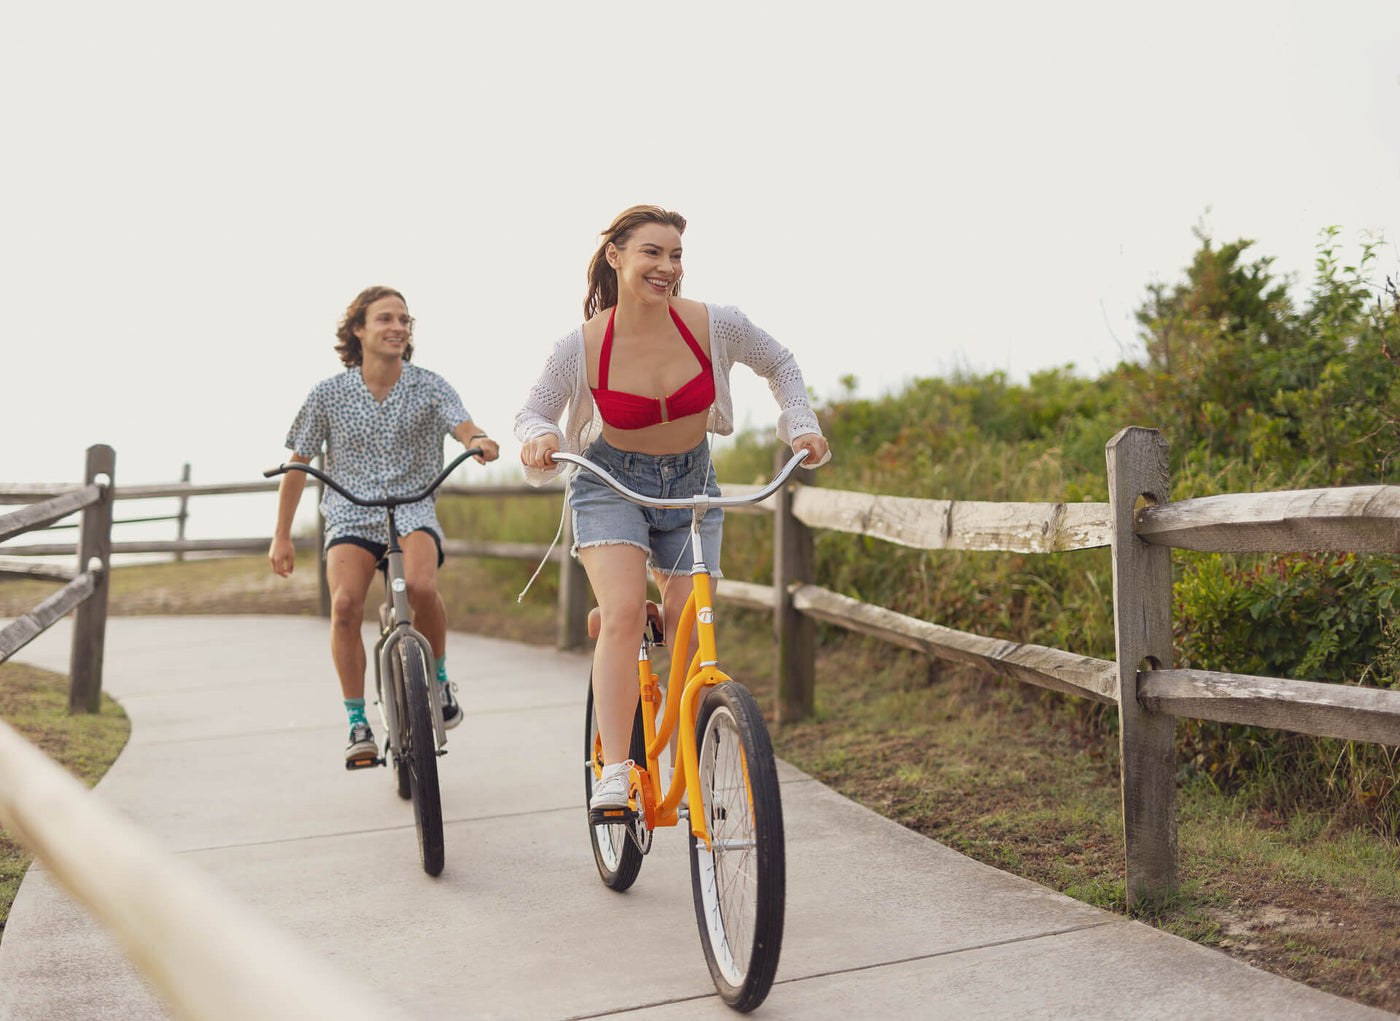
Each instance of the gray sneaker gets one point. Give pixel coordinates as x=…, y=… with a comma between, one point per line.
x=451, y=711
x=362, y=745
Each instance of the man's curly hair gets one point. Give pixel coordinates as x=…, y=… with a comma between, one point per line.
x=347, y=344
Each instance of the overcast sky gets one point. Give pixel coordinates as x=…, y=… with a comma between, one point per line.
x=193, y=193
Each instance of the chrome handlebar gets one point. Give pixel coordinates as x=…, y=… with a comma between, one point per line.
x=700, y=502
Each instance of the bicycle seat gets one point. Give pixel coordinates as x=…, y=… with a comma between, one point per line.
x=654, y=621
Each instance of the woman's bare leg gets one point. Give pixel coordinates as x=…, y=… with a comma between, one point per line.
x=618, y=575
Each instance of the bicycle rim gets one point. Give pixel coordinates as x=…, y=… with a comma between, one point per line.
x=739, y=882
x=616, y=854
x=420, y=753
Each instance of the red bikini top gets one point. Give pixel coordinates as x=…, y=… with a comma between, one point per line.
x=629, y=411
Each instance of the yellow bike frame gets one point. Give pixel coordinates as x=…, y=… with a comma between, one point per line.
x=682, y=703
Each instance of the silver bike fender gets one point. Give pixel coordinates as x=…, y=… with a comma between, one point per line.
x=386, y=701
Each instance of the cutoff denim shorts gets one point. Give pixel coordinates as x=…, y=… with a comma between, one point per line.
x=601, y=517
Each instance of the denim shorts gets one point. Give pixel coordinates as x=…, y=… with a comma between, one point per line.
x=601, y=517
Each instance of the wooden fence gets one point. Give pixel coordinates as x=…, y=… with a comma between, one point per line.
x=1140, y=525
x=86, y=588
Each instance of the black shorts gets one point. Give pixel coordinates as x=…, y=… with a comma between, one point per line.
x=380, y=549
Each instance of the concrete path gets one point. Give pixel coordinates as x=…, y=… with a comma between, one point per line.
x=235, y=764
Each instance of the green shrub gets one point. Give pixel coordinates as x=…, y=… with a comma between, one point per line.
x=1304, y=616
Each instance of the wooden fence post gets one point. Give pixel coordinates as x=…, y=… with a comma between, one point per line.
x=184, y=514
x=90, y=619
x=794, y=633
x=1142, y=624
x=571, y=620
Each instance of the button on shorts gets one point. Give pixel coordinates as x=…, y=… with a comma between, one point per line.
x=602, y=517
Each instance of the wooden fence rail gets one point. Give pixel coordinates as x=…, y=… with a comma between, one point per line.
x=207, y=954
x=61, y=500
x=1139, y=524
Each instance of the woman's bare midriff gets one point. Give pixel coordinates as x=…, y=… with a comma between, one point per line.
x=666, y=438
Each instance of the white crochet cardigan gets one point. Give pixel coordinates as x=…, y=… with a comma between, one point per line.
x=733, y=338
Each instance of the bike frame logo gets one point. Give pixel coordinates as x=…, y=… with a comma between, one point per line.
x=706, y=615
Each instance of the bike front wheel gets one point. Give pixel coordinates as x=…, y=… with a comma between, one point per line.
x=419, y=753
x=739, y=881
x=615, y=850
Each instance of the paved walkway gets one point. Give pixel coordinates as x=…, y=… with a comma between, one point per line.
x=234, y=764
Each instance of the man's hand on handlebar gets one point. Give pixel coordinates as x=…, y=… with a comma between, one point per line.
x=539, y=452
x=490, y=450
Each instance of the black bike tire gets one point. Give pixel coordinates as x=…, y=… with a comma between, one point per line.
x=620, y=875
x=420, y=751
x=729, y=710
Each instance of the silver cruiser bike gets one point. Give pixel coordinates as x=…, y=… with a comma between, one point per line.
x=410, y=704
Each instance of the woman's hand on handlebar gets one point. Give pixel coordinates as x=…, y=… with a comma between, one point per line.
x=816, y=446
x=539, y=452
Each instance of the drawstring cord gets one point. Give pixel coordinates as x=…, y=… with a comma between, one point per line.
x=557, y=533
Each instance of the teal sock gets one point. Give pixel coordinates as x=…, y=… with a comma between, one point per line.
x=355, y=709
x=441, y=664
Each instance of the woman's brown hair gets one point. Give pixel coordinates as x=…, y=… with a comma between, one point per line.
x=602, y=278
x=348, y=345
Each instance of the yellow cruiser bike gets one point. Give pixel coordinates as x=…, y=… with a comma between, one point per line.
x=726, y=768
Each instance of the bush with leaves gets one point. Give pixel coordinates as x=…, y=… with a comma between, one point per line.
x=1254, y=392
x=1309, y=617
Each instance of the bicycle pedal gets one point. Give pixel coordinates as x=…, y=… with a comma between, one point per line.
x=364, y=762
x=612, y=816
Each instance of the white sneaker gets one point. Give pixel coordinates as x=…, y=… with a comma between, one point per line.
x=612, y=787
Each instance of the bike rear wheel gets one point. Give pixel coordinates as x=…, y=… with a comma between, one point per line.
x=739, y=882
x=616, y=853
x=419, y=754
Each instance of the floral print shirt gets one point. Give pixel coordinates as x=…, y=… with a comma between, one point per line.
x=376, y=448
